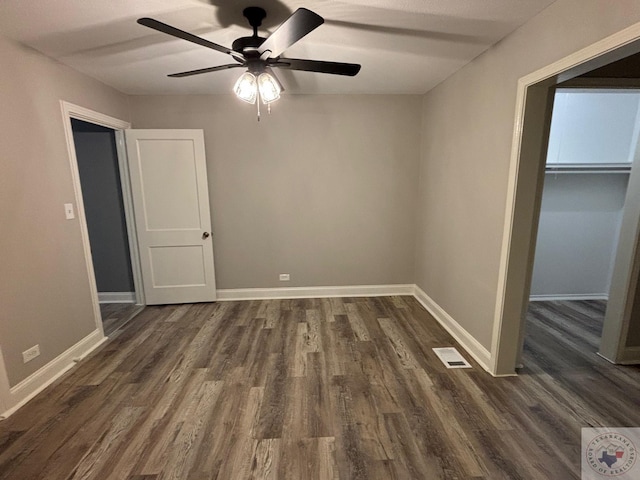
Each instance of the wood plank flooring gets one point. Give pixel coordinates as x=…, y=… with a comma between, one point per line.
x=116, y=315
x=318, y=389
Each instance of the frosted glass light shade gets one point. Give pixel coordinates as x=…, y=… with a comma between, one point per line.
x=269, y=88
x=246, y=87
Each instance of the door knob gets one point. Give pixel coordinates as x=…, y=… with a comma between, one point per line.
x=205, y=235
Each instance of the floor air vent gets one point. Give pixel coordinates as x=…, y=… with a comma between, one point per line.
x=451, y=357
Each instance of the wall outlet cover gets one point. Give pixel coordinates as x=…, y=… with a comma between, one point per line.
x=285, y=277
x=31, y=353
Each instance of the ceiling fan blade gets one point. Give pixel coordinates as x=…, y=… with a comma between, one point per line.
x=205, y=70
x=334, y=68
x=176, y=32
x=300, y=23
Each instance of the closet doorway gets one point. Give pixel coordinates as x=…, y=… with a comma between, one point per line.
x=98, y=167
x=592, y=143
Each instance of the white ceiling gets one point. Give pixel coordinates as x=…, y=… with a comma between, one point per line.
x=404, y=46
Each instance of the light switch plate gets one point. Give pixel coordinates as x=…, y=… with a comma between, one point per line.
x=68, y=211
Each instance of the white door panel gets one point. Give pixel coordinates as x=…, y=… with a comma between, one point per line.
x=171, y=203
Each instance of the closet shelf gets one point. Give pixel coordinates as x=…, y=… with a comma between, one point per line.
x=589, y=168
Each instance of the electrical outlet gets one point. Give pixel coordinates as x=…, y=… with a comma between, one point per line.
x=31, y=353
x=285, y=277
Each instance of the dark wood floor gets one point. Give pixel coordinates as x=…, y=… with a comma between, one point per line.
x=116, y=315
x=318, y=389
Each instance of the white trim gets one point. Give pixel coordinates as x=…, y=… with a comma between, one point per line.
x=568, y=297
x=70, y=111
x=505, y=250
x=45, y=376
x=91, y=116
x=464, y=338
x=315, y=292
x=129, y=215
x=5, y=388
x=607, y=45
x=117, y=297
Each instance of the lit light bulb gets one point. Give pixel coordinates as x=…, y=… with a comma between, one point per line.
x=269, y=88
x=246, y=87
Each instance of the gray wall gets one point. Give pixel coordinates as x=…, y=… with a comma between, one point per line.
x=324, y=188
x=578, y=232
x=104, y=209
x=44, y=287
x=467, y=132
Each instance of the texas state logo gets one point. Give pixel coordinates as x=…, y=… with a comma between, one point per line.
x=610, y=452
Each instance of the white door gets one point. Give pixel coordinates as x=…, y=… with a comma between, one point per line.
x=171, y=207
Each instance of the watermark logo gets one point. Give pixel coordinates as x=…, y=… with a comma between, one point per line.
x=610, y=452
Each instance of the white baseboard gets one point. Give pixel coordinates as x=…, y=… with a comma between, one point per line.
x=565, y=298
x=116, y=297
x=315, y=292
x=464, y=338
x=45, y=376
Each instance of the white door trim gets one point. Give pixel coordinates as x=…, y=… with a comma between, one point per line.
x=5, y=388
x=132, y=234
x=513, y=264
x=69, y=111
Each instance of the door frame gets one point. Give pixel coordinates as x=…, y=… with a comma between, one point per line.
x=524, y=189
x=69, y=112
x=5, y=388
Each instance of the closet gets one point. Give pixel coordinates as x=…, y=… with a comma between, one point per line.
x=592, y=143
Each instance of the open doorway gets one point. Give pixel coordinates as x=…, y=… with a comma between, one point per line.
x=111, y=133
x=592, y=142
x=100, y=180
x=528, y=158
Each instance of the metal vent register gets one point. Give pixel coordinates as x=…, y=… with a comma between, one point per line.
x=451, y=357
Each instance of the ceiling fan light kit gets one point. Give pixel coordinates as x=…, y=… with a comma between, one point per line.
x=259, y=55
x=246, y=87
x=269, y=88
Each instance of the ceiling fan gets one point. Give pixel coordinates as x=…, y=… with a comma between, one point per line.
x=259, y=54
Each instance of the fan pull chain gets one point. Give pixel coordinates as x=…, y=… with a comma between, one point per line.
x=258, y=99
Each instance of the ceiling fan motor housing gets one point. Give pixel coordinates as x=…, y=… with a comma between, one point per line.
x=249, y=45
